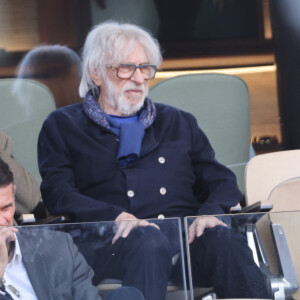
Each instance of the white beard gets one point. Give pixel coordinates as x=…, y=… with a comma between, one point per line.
x=118, y=101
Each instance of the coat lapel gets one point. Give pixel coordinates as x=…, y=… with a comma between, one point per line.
x=150, y=142
x=35, y=264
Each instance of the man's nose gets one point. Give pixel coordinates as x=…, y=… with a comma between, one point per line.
x=137, y=76
x=3, y=221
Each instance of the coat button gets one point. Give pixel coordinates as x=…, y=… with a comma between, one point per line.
x=161, y=160
x=163, y=190
x=130, y=193
x=161, y=217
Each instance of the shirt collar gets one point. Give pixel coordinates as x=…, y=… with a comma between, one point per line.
x=17, y=253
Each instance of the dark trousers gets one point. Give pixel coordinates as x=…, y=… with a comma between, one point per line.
x=142, y=260
x=125, y=293
x=221, y=258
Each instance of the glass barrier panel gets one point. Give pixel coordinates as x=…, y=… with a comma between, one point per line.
x=245, y=256
x=148, y=253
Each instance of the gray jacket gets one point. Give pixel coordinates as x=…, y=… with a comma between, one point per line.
x=55, y=267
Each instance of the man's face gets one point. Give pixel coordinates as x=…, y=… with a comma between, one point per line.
x=7, y=205
x=125, y=96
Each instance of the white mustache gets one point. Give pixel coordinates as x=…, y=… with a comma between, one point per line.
x=132, y=86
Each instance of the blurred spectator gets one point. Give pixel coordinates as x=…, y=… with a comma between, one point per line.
x=56, y=66
x=28, y=192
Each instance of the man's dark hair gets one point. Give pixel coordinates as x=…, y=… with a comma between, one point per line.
x=6, y=175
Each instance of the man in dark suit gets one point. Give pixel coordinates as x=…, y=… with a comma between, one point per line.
x=40, y=264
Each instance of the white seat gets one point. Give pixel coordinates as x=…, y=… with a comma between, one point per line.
x=286, y=195
x=264, y=172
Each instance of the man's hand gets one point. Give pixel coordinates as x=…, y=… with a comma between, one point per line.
x=126, y=222
x=200, y=224
x=7, y=235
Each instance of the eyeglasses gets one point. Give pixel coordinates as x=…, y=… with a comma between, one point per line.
x=126, y=71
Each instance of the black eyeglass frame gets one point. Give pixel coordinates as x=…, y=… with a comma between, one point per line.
x=141, y=67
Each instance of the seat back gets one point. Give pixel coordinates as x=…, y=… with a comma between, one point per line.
x=24, y=105
x=285, y=196
x=220, y=103
x=264, y=172
x=275, y=178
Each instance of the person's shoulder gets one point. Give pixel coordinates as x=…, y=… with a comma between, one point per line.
x=165, y=110
x=42, y=232
x=44, y=241
x=5, y=143
x=3, y=135
x=42, y=236
x=71, y=109
x=70, y=112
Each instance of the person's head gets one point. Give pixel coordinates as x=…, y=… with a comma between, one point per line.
x=108, y=47
x=56, y=66
x=7, y=195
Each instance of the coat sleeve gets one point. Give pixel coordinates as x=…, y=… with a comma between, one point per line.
x=216, y=185
x=82, y=287
x=27, y=189
x=59, y=190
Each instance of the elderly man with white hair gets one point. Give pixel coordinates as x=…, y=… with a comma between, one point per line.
x=120, y=157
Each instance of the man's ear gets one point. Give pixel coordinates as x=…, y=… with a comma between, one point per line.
x=95, y=77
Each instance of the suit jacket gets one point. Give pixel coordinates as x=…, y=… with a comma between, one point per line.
x=28, y=192
x=55, y=267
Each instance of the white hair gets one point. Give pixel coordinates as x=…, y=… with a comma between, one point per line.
x=110, y=43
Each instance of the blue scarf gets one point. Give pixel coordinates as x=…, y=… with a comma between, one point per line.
x=130, y=134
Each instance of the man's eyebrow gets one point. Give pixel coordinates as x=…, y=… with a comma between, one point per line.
x=7, y=205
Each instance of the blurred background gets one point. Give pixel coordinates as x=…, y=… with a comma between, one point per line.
x=241, y=37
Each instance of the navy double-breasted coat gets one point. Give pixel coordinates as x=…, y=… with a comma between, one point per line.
x=176, y=175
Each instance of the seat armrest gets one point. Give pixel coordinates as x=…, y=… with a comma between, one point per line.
x=54, y=220
x=253, y=208
x=26, y=219
x=29, y=219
